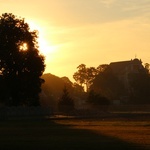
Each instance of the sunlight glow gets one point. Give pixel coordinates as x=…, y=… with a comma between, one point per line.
x=44, y=46
x=23, y=47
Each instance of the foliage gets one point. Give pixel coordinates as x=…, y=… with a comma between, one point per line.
x=78, y=89
x=147, y=67
x=108, y=85
x=52, y=89
x=114, y=83
x=85, y=75
x=21, y=65
x=80, y=75
x=65, y=103
x=140, y=83
x=95, y=98
x=102, y=68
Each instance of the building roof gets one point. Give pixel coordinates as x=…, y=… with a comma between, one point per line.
x=118, y=67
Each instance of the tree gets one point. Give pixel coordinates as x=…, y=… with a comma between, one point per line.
x=107, y=85
x=147, y=67
x=78, y=90
x=140, y=83
x=65, y=103
x=102, y=68
x=21, y=64
x=85, y=76
x=80, y=75
x=97, y=99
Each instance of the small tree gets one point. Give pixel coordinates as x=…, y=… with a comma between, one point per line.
x=65, y=103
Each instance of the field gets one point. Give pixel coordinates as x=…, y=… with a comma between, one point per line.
x=125, y=133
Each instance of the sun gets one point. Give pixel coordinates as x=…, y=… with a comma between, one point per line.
x=45, y=46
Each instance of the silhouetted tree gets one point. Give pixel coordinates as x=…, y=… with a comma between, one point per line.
x=85, y=76
x=147, y=67
x=102, y=68
x=97, y=98
x=78, y=89
x=80, y=75
x=140, y=91
x=108, y=85
x=65, y=103
x=21, y=64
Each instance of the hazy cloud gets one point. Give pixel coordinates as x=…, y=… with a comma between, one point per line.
x=107, y=3
x=76, y=12
x=79, y=12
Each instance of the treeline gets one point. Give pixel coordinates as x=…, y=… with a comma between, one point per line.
x=58, y=91
x=106, y=84
x=97, y=86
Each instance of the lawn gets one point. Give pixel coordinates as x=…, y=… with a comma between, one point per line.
x=71, y=134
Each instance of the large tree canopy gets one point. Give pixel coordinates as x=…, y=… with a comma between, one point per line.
x=21, y=64
x=107, y=84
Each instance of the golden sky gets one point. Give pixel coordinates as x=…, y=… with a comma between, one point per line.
x=92, y=32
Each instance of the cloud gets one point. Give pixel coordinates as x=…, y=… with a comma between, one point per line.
x=72, y=13
x=107, y=3
x=137, y=6
x=79, y=12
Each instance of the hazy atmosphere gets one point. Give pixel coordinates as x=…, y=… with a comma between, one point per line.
x=92, y=32
x=75, y=74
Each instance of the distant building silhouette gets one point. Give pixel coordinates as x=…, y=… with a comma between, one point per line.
x=122, y=69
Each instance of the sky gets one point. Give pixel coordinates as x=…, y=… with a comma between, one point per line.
x=90, y=32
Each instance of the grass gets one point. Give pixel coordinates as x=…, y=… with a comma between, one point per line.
x=135, y=132
x=71, y=134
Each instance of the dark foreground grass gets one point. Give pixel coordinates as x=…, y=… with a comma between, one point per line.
x=50, y=134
